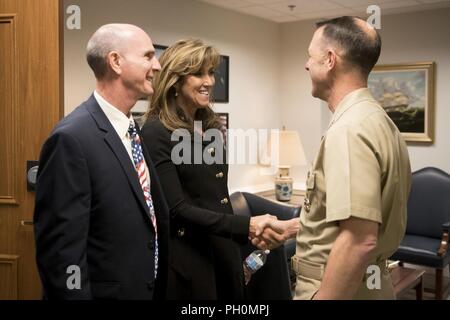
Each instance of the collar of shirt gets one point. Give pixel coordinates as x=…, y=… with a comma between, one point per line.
x=349, y=101
x=119, y=121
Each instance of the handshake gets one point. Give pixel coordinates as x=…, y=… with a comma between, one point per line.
x=267, y=232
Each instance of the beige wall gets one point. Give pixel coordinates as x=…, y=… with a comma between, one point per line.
x=300, y=110
x=409, y=37
x=251, y=43
x=268, y=84
x=422, y=37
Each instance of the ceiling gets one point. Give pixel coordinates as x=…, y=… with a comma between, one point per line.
x=280, y=10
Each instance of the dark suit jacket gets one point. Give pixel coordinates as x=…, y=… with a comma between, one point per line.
x=205, y=260
x=90, y=212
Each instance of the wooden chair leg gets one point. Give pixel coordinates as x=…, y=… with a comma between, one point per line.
x=439, y=284
x=419, y=289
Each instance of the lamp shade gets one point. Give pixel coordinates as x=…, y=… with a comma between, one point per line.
x=290, y=148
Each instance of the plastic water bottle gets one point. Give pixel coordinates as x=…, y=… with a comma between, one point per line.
x=254, y=262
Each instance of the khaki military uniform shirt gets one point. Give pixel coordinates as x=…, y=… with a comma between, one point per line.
x=362, y=170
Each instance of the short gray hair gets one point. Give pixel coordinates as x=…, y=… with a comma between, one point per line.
x=362, y=48
x=107, y=38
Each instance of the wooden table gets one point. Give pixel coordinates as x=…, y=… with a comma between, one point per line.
x=296, y=200
x=404, y=279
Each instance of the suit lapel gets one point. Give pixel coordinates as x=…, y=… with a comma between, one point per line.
x=117, y=147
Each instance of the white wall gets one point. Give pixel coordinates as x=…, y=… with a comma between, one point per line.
x=300, y=111
x=253, y=45
x=409, y=37
x=424, y=36
x=269, y=86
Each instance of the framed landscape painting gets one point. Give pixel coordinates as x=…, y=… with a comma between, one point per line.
x=406, y=92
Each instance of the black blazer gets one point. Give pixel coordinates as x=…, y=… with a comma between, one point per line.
x=90, y=212
x=205, y=260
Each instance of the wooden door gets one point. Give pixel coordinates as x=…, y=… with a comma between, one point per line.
x=31, y=102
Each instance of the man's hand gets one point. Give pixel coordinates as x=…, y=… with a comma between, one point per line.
x=258, y=224
x=277, y=233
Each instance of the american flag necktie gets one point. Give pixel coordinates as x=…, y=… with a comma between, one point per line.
x=138, y=159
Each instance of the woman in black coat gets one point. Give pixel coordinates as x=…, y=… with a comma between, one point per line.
x=205, y=235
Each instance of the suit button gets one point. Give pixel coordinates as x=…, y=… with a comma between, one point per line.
x=181, y=232
x=219, y=175
x=151, y=285
x=151, y=245
x=224, y=201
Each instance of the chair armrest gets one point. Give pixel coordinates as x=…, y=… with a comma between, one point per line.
x=260, y=205
x=444, y=241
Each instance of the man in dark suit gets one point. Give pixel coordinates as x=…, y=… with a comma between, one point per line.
x=101, y=220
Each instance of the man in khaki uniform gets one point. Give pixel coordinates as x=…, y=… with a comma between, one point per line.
x=354, y=214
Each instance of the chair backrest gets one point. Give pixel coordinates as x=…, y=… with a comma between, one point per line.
x=429, y=202
x=240, y=204
x=260, y=205
x=271, y=282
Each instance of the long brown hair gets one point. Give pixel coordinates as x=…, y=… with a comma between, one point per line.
x=183, y=58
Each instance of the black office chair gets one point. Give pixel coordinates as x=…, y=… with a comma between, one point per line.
x=426, y=239
x=272, y=281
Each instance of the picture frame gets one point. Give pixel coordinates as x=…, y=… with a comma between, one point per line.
x=406, y=93
x=140, y=108
x=221, y=91
x=224, y=119
x=159, y=49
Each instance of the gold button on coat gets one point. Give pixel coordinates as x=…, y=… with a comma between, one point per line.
x=181, y=232
x=224, y=201
x=219, y=175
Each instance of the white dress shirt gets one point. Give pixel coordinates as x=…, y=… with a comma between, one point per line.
x=120, y=123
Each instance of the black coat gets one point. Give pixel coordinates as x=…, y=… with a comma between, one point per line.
x=90, y=212
x=205, y=259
